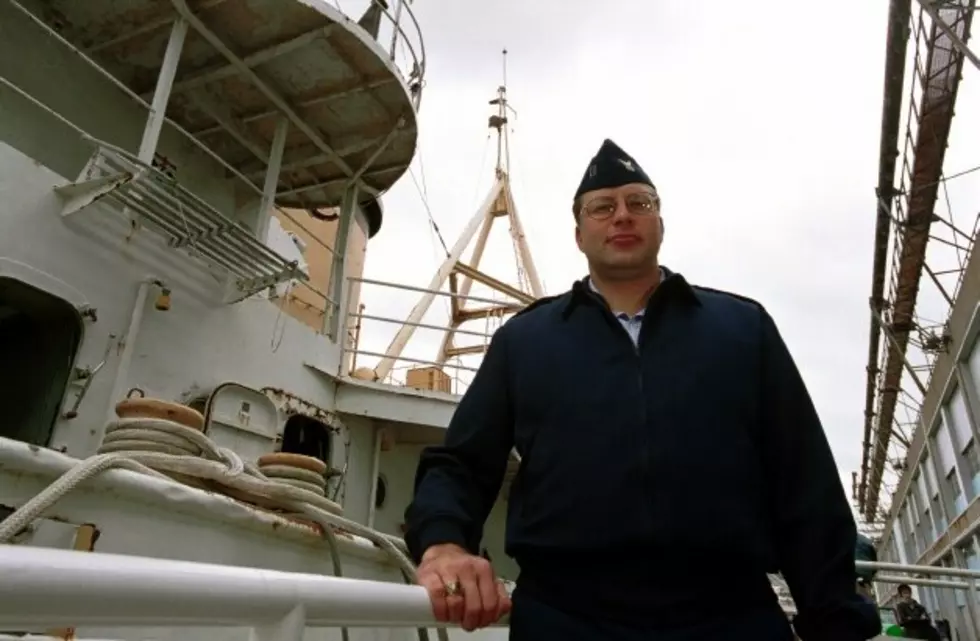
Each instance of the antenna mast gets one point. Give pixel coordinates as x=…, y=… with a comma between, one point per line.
x=498, y=121
x=460, y=275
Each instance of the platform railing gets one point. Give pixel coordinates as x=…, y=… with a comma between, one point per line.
x=407, y=48
x=371, y=329
x=398, y=34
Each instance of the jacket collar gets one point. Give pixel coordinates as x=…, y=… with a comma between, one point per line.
x=674, y=288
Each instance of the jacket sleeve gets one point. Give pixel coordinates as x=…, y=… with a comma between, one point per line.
x=901, y=614
x=457, y=483
x=812, y=525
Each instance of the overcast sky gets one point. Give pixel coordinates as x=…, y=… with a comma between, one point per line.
x=759, y=123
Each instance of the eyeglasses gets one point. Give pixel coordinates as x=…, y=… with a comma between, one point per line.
x=603, y=207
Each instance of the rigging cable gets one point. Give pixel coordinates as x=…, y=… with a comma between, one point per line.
x=483, y=165
x=428, y=212
x=423, y=189
x=423, y=195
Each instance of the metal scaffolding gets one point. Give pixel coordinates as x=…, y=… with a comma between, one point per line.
x=903, y=343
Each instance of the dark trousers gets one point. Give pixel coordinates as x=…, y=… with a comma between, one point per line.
x=533, y=620
x=921, y=630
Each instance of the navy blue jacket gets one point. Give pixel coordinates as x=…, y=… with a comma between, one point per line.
x=652, y=477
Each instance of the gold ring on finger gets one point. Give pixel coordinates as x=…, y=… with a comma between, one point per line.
x=452, y=588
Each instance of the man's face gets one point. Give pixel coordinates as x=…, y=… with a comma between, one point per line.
x=620, y=230
x=905, y=595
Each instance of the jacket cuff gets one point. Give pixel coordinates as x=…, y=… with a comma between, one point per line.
x=436, y=533
x=857, y=621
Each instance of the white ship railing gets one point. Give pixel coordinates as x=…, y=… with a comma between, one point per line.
x=42, y=588
x=369, y=333
x=970, y=578
x=407, y=50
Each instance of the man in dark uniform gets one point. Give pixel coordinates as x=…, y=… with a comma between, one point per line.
x=913, y=618
x=670, y=457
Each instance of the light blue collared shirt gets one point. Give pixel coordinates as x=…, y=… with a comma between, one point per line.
x=632, y=324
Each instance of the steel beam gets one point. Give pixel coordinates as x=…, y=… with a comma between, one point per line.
x=161, y=95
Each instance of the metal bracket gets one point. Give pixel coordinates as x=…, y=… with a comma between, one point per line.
x=77, y=196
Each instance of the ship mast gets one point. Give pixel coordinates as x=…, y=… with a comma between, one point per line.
x=460, y=275
x=499, y=123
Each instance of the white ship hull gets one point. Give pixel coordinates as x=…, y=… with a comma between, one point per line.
x=142, y=516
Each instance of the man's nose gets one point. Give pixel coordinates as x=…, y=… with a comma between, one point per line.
x=622, y=214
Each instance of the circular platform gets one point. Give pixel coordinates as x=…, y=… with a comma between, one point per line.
x=246, y=64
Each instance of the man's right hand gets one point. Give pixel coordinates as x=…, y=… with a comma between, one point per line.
x=478, y=599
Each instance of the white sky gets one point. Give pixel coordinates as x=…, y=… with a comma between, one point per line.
x=759, y=123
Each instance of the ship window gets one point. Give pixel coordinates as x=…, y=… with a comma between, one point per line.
x=308, y=436
x=39, y=337
x=381, y=492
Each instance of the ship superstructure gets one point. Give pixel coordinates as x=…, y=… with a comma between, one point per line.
x=189, y=189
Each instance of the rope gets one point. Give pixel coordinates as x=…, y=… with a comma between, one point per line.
x=169, y=450
x=296, y=477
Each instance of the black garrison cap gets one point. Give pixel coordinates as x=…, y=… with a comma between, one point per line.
x=612, y=167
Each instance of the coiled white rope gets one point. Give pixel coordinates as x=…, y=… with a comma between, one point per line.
x=296, y=477
x=169, y=450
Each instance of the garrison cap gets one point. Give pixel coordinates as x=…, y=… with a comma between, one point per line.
x=612, y=167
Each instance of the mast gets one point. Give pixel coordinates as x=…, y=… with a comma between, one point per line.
x=460, y=276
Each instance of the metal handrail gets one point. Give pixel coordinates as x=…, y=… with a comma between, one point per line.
x=50, y=587
x=418, y=58
x=46, y=587
x=453, y=366
x=929, y=570
x=422, y=290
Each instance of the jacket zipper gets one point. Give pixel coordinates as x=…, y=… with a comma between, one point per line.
x=637, y=362
x=637, y=353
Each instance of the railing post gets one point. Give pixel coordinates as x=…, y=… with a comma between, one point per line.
x=394, y=27
x=345, y=341
x=348, y=209
x=161, y=95
x=271, y=185
x=971, y=607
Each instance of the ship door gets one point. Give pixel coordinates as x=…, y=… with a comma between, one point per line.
x=242, y=419
x=39, y=337
x=305, y=435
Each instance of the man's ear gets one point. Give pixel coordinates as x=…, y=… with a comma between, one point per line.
x=578, y=237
